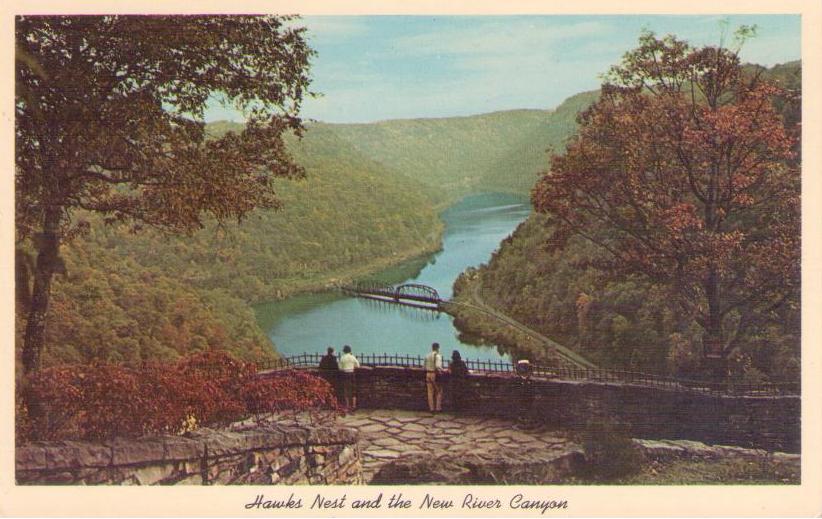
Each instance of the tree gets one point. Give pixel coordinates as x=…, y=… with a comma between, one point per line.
x=684, y=173
x=108, y=118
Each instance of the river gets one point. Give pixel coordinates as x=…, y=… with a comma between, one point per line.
x=474, y=228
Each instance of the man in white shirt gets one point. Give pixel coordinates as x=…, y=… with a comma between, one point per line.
x=433, y=366
x=348, y=363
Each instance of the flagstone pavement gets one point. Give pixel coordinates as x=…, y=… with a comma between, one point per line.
x=387, y=435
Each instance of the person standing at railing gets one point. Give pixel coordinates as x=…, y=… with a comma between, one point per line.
x=433, y=367
x=348, y=363
x=330, y=370
x=459, y=373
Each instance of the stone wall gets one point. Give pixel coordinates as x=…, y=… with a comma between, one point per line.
x=770, y=422
x=273, y=455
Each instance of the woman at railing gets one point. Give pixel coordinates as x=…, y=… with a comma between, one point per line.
x=459, y=372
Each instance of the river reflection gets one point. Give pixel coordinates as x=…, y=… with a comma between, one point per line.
x=474, y=227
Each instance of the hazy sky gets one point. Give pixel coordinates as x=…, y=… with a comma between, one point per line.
x=385, y=67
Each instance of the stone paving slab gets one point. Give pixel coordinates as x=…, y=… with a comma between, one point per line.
x=395, y=436
x=387, y=436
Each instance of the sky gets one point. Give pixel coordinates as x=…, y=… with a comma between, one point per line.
x=371, y=68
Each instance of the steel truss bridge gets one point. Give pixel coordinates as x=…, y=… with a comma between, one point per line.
x=409, y=294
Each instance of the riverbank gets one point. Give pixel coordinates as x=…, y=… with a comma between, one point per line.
x=412, y=260
x=483, y=323
x=295, y=286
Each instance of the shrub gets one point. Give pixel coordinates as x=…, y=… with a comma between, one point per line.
x=51, y=403
x=289, y=391
x=609, y=450
x=102, y=401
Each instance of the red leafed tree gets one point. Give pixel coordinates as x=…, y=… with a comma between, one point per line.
x=683, y=172
x=108, y=119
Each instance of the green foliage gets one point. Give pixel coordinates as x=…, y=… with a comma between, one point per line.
x=109, y=308
x=609, y=450
x=549, y=289
x=495, y=152
x=155, y=296
x=348, y=213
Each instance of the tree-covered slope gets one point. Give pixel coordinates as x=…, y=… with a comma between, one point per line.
x=147, y=295
x=499, y=151
x=347, y=214
x=518, y=168
x=631, y=324
x=369, y=199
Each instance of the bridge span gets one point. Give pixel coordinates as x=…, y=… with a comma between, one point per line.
x=409, y=294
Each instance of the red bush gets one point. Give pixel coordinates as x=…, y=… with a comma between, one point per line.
x=291, y=390
x=51, y=401
x=101, y=401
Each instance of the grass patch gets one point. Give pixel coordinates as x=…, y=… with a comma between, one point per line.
x=714, y=472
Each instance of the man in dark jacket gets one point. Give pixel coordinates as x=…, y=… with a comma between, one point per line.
x=329, y=369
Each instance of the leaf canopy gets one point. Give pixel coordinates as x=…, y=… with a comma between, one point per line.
x=685, y=173
x=109, y=114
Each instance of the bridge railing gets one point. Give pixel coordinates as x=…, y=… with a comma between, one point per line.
x=558, y=372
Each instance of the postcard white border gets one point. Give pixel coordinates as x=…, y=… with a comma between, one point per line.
x=639, y=501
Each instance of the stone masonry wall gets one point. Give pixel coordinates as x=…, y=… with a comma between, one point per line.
x=321, y=455
x=770, y=422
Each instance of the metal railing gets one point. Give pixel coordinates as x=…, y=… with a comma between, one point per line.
x=557, y=372
x=312, y=360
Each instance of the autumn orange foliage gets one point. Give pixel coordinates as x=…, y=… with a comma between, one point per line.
x=684, y=173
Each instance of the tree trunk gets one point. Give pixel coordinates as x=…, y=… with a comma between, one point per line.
x=48, y=245
x=712, y=340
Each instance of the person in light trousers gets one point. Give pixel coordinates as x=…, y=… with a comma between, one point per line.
x=433, y=368
x=348, y=363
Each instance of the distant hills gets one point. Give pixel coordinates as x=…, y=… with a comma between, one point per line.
x=495, y=152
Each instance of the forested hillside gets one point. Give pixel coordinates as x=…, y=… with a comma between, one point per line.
x=556, y=288
x=370, y=199
x=495, y=152
x=147, y=295
x=520, y=165
x=350, y=213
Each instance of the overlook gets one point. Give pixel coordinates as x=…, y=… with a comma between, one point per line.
x=431, y=250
